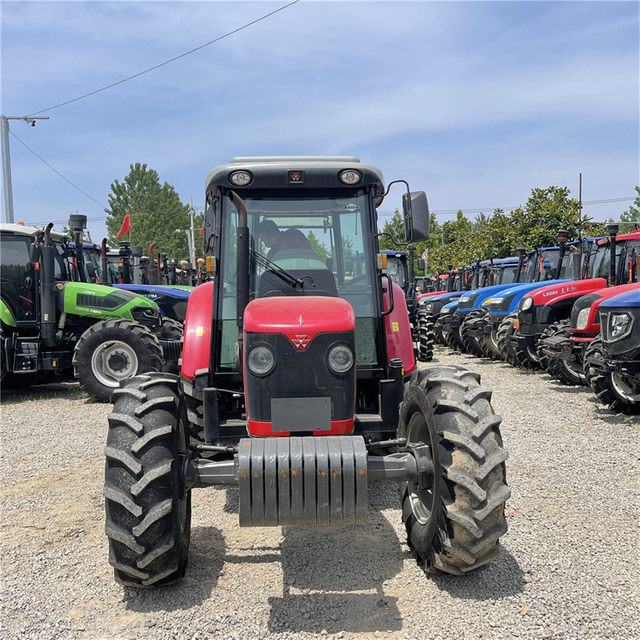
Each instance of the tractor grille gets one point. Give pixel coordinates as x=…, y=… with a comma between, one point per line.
x=301, y=374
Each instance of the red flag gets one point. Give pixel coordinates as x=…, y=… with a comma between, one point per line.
x=126, y=225
x=202, y=229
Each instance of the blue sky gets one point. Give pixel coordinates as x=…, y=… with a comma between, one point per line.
x=476, y=103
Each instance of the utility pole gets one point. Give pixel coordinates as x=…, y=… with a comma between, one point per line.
x=6, y=160
x=192, y=244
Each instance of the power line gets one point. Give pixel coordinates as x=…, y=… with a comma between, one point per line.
x=162, y=64
x=55, y=171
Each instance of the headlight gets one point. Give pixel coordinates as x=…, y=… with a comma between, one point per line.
x=619, y=326
x=583, y=318
x=340, y=358
x=261, y=360
x=526, y=303
x=445, y=311
x=428, y=307
x=464, y=299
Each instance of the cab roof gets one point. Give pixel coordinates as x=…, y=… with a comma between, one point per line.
x=315, y=172
x=23, y=230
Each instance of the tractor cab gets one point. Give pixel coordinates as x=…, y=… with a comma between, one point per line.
x=302, y=235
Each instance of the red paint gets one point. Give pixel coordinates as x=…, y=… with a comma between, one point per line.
x=593, y=326
x=399, y=344
x=554, y=293
x=293, y=315
x=197, y=331
x=338, y=428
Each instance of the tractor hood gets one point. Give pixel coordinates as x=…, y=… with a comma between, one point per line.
x=507, y=299
x=299, y=316
x=555, y=293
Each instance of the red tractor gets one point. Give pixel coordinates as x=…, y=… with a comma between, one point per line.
x=299, y=386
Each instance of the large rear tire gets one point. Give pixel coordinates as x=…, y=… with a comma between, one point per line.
x=566, y=371
x=454, y=521
x=148, y=520
x=111, y=351
x=612, y=389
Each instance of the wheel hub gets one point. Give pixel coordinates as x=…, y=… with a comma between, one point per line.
x=421, y=494
x=117, y=361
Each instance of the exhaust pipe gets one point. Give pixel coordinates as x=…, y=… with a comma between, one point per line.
x=613, y=232
x=47, y=294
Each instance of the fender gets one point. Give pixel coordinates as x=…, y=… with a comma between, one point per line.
x=197, y=331
x=398, y=330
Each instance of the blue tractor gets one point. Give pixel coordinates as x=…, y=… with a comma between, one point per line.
x=612, y=360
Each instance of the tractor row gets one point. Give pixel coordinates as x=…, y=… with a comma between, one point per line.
x=553, y=317
x=59, y=319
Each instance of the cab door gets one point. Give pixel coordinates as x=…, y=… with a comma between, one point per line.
x=18, y=279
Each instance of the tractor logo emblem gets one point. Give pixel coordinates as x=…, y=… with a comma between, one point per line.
x=300, y=342
x=296, y=176
x=352, y=207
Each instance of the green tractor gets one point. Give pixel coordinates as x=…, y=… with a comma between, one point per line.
x=51, y=322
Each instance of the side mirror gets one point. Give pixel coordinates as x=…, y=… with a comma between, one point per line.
x=416, y=216
x=421, y=264
x=34, y=253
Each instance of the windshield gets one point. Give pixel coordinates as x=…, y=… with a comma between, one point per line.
x=566, y=269
x=395, y=270
x=600, y=261
x=319, y=239
x=507, y=274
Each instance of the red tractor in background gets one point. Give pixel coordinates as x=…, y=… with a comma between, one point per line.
x=546, y=311
x=298, y=385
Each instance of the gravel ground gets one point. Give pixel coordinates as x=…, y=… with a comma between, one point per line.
x=568, y=567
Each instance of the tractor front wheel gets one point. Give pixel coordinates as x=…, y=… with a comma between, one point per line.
x=503, y=339
x=474, y=319
x=455, y=517
x=148, y=514
x=615, y=390
x=566, y=371
x=111, y=351
x=426, y=334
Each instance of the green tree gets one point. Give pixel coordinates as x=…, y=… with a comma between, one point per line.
x=546, y=212
x=395, y=228
x=318, y=246
x=631, y=216
x=155, y=212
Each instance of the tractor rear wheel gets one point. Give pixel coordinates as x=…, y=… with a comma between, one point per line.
x=455, y=518
x=566, y=371
x=148, y=516
x=473, y=320
x=612, y=389
x=111, y=351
